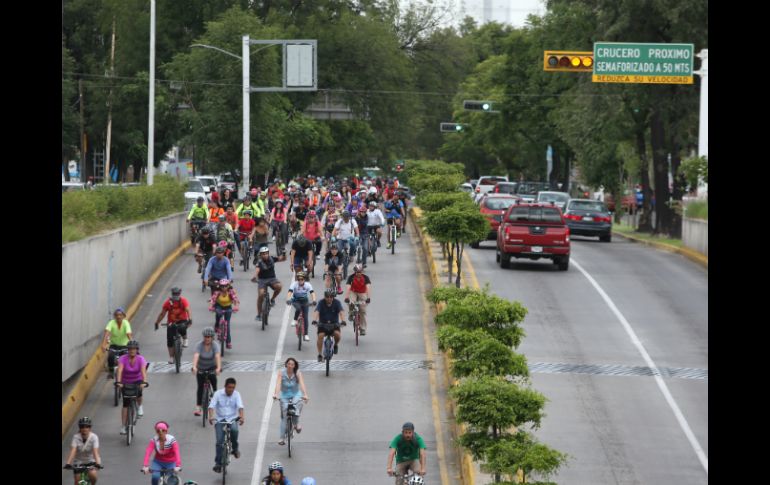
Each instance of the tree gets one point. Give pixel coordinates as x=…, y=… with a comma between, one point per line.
x=458, y=225
x=475, y=352
x=434, y=201
x=521, y=451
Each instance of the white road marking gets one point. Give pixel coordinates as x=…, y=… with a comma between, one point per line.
x=658, y=379
x=255, y=476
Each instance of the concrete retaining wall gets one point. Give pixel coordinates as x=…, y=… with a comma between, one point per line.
x=695, y=234
x=104, y=272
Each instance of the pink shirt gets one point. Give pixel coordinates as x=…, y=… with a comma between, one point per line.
x=168, y=454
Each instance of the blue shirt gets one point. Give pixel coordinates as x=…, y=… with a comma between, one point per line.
x=226, y=407
x=218, y=269
x=289, y=387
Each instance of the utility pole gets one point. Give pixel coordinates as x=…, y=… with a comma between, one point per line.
x=109, y=108
x=83, y=143
x=151, y=123
x=703, y=126
x=246, y=115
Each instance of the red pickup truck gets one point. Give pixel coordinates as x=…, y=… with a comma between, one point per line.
x=533, y=231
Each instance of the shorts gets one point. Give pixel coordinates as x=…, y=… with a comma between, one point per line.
x=328, y=328
x=263, y=283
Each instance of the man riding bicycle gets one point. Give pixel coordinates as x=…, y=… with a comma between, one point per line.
x=346, y=231
x=178, y=309
x=375, y=220
x=302, y=253
x=224, y=232
x=226, y=405
x=218, y=268
x=393, y=216
x=199, y=214
x=204, y=247
x=408, y=447
x=330, y=314
x=361, y=286
x=264, y=276
x=299, y=295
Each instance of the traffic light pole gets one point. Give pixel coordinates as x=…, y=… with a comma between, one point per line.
x=703, y=126
x=246, y=116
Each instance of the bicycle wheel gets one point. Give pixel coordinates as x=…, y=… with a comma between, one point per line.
x=225, y=458
x=300, y=330
x=177, y=352
x=289, y=432
x=328, y=351
x=222, y=336
x=393, y=239
x=205, y=401
x=265, y=308
x=373, y=250
x=130, y=422
x=117, y=395
x=356, y=325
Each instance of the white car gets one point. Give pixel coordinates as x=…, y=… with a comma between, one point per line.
x=208, y=181
x=487, y=183
x=194, y=190
x=559, y=199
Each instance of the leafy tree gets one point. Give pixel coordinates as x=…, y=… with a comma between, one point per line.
x=521, y=451
x=475, y=352
x=433, y=201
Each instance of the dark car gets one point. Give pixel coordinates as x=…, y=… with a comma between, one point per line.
x=586, y=217
x=505, y=188
x=493, y=206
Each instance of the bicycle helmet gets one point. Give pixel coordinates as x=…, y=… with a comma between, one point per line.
x=220, y=249
x=330, y=292
x=416, y=480
x=132, y=344
x=119, y=309
x=275, y=466
x=345, y=213
x=301, y=241
x=308, y=481
x=301, y=274
x=222, y=217
x=333, y=240
x=206, y=230
x=224, y=282
x=246, y=213
x=358, y=268
x=208, y=332
x=200, y=199
x=264, y=249
x=175, y=291
x=222, y=244
x=372, y=204
x=83, y=422
x=408, y=425
x=279, y=201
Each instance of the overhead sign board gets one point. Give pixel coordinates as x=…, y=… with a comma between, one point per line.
x=625, y=62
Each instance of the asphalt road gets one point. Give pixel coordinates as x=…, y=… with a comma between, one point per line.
x=617, y=425
x=351, y=417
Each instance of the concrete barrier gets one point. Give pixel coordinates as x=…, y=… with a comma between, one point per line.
x=695, y=234
x=104, y=272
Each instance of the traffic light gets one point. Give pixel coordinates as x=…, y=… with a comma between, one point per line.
x=472, y=105
x=452, y=127
x=568, y=61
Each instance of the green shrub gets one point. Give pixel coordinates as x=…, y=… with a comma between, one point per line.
x=698, y=210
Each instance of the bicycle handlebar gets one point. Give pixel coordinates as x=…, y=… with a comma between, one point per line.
x=80, y=467
x=146, y=384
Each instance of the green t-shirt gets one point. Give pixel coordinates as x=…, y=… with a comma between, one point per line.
x=407, y=450
x=119, y=336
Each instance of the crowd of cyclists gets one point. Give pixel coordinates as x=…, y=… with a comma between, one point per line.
x=325, y=222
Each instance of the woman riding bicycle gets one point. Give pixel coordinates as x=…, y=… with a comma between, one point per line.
x=117, y=333
x=299, y=295
x=132, y=369
x=85, y=449
x=167, y=456
x=207, y=358
x=224, y=299
x=261, y=235
x=333, y=265
x=279, y=216
x=313, y=230
x=291, y=386
x=275, y=475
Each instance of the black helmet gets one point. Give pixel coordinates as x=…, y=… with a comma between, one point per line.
x=345, y=213
x=84, y=421
x=201, y=199
x=330, y=291
x=132, y=344
x=206, y=230
x=176, y=291
x=301, y=241
x=408, y=425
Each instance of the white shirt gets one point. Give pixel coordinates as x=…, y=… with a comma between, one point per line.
x=375, y=218
x=345, y=229
x=226, y=407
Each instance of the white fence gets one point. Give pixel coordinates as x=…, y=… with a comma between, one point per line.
x=695, y=234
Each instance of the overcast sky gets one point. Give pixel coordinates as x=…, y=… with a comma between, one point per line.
x=513, y=12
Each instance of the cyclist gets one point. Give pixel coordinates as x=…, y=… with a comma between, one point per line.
x=247, y=204
x=333, y=265
x=264, y=276
x=224, y=232
x=178, y=309
x=346, y=230
x=230, y=217
x=408, y=447
x=227, y=199
x=361, y=286
x=403, y=198
x=275, y=475
x=355, y=206
x=225, y=299
x=301, y=253
x=85, y=449
x=331, y=315
x=207, y=357
x=218, y=268
x=204, y=247
x=291, y=386
x=166, y=449
x=328, y=221
x=279, y=216
x=312, y=230
x=393, y=216
x=363, y=233
x=199, y=215
x=261, y=235
x=215, y=211
x=245, y=228
x=375, y=220
x=117, y=333
x=226, y=405
x=299, y=294
x=132, y=369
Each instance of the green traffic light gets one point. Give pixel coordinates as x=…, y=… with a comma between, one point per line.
x=458, y=127
x=485, y=106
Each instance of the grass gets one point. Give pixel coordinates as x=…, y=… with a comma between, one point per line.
x=698, y=210
x=624, y=229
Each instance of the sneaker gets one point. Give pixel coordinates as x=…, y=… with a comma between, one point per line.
x=217, y=469
x=184, y=343
x=123, y=430
x=336, y=348
x=282, y=442
x=140, y=411
x=294, y=323
x=198, y=412
x=170, y=361
x=298, y=429
x=229, y=346
x=351, y=317
x=272, y=302
x=258, y=318
x=237, y=454
x=363, y=332
x=307, y=338
x=388, y=246
x=320, y=358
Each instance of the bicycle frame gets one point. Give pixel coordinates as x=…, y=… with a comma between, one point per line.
x=222, y=328
x=301, y=323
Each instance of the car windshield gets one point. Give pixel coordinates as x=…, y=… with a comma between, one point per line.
x=499, y=203
x=552, y=197
x=531, y=188
x=506, y=188
x=228, y=178
x=207, y=181
x=466, y=188
x=535, y=214
x=194, y=186
x=587, y=205
x=491, y=180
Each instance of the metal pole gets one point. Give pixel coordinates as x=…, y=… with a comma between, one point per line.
x=151, y=123
x=703, y=127
x=246, y=117
x=109, y=111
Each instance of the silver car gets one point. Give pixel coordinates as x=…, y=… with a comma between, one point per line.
x=559, y=199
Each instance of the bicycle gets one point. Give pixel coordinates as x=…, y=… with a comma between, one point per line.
x=205, y=259
x=177, y=342
x=355, y=313
x=245, y=253
x=131, y=392
x=208, y=392
x=291, y=414
x=221, y=328
x=328, y=345
x=83, y=469
x=300, y=329
x=344, y=247
x=278, y=234
x=195, y=228
x=392, y=234
x=227, y=446
x=333, y=280
x=373, y=245
x=165, y=476
x=117, y=353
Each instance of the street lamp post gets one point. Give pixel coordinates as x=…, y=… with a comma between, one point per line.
x=151, y=123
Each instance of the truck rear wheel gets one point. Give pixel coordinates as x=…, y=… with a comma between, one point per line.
x=563, y=263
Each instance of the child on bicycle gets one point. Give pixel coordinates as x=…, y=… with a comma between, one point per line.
x=299, y=295
x=224, y=299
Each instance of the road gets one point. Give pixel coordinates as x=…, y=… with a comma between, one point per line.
x=352, y=415
x=605, y=409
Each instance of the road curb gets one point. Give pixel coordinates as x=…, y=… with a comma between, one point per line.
x=468, y=470
x=688, y=253
x=95, y=365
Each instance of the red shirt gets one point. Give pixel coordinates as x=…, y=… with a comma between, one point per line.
x=177, y=310
x=246, y=226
